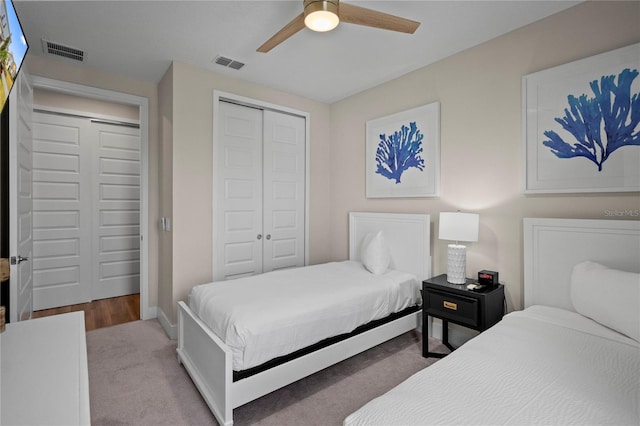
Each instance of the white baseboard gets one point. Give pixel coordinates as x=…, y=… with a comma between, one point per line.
x=170, y=329
x=150, y=313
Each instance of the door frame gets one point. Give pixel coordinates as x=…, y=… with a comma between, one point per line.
x=218, y=96
x=146, y=311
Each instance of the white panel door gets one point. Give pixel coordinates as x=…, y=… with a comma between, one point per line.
x=86, y=210
x=284, y=190
x=237, y=193
x=20, y=214
x=62, y=181
x=116, y=211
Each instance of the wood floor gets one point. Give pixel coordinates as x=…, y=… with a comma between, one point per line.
x=101, y=313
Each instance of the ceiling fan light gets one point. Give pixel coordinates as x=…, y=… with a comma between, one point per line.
x=321, y=15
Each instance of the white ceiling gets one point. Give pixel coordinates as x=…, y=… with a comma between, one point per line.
x=139, y=39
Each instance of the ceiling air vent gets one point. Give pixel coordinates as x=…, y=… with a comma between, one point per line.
x=226, y=62
x=57, y=49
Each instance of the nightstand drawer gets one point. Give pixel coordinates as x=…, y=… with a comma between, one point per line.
x=463, y=310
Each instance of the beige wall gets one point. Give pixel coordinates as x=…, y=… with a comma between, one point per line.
x=165, y=252
x=192, y=174
x=49, y=98
x=481, y=145
x=64, y=71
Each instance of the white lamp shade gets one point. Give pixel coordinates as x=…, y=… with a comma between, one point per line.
x=457, y=226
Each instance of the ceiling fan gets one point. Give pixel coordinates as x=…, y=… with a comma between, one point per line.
x=324, y=15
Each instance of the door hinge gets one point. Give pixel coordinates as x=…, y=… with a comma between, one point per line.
x=16, y=260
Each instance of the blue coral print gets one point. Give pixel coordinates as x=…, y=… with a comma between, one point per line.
x=600, y=124
x=399, y=152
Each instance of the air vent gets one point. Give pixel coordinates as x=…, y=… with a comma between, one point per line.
x=57, y=49
x=226, y=62
x=236, y=65
x=221, y=60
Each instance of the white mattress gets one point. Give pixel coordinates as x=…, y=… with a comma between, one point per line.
x=265, y=316
x=539, y=366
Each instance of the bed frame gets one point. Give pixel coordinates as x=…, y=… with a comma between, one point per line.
x=208, y=360
x=553, y=246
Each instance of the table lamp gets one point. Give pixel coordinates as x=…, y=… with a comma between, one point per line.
x=458, y=227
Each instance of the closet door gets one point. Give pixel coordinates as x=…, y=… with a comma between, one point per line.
x=86, y=210
x=61, y=211
x=284, y=190
x=237, y=210
x=259, y=191
x=116, y=210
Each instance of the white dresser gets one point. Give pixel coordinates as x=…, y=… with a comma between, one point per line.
x=44, y=378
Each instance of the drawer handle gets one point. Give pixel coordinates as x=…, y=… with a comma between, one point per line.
x=450, y=305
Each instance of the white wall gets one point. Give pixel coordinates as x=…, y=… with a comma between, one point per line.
x=481, y=145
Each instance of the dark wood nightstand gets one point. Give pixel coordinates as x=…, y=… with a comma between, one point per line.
x=475, y=309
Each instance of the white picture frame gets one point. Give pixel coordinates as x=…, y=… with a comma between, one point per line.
x=415, y=135
x=558, y=161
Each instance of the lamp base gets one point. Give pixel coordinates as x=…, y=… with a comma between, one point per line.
x=457, y=264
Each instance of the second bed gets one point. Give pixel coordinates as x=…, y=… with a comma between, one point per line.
x=242, y=339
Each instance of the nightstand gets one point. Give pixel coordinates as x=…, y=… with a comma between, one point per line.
x=475, y=309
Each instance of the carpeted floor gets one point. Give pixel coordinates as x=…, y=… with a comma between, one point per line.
x=135, y=379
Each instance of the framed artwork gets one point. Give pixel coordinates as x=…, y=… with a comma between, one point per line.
x=581, y=125
x=403, y=154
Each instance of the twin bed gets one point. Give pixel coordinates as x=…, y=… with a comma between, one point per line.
x=571, y=357
x=293, y=323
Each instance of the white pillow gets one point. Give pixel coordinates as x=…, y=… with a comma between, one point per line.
x=608, y=296
x=374, y=253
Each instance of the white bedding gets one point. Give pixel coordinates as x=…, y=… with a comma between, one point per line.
x=265, y=316
x=542, y=365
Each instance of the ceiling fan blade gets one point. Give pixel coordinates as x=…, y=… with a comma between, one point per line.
x=287, y=31
x=371, y=18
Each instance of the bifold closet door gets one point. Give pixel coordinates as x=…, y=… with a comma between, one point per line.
x=86, y=209
x=259, y=184
x=238, y=193
x=284, y=190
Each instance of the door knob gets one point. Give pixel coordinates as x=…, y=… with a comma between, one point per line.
x=268, y=236
x=259, y=236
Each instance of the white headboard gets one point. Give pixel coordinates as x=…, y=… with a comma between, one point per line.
x=553, y=246
x=407, y=235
